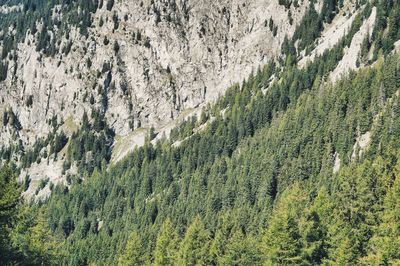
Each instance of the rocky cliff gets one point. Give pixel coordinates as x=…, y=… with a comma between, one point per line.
x=141, y=64
x=171, y=56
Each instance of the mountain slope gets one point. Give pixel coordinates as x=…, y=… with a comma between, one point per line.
x=134, y=64
x=286, y=167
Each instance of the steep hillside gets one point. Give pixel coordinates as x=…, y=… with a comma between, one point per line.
x=297, y=164
x=138, y=63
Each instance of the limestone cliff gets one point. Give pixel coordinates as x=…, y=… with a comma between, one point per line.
x=141, y=64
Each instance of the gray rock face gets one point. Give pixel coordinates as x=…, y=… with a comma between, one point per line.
x=190, y=55
x=172, y=56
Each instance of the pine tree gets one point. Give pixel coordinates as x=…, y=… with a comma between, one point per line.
x=282, y=239
x=316, y=247
x=134, y=252
x=355, y=215
x=110, y=4
x=194, y=247
x=167, y=245
x=217, y=247
x=9, y=199
x=241, y=250
x=385, y=245
x=41, y=245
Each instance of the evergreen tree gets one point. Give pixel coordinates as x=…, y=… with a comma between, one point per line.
x=110, y=4
x=241, y=250
x=282, y=239
x=134, y=253
x=385, y=245
x=355, y=216
x=166, y=249
x=40, y=244
x=9, y=199
x=194, y=247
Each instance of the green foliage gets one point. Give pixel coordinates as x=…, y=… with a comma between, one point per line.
x=115, y=19
x=241, y=250
x=309, y=29
x=58, y=144
x=106, y=41
x=235, y=167
x=42, y=184
x=29, y=101
x=166, y=250
x=27, y=182
x=282, y=238
x=259, y=176
x=207, y=174
x=9, y=198
x=38, y=242
x=85, y=142
x=285, y=3
x=385, y=247
x=40, y=12
x=101, y=22
x=67, y=48
x=194, y=247
x=24, y=238
x=31, y=156
x=134, y=252
x=3, y=70
x=116, y=47
x=10, y=118
x=311, y=25
x=152, y=133
x=386, y=30
x=110, y=4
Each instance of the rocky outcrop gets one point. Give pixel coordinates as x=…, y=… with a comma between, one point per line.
x=142, y=64
x=170, y=58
